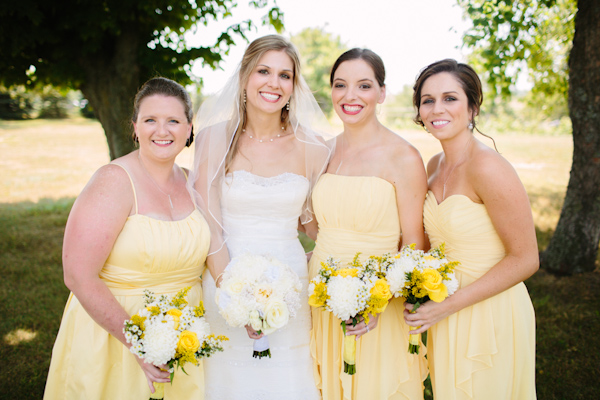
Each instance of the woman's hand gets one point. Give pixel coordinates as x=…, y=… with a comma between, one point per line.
x=154, y=374
x=361, y=328
x=252, y=334
x=308, y=256
x=427, y=315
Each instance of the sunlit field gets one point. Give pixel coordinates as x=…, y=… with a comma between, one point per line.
x=46, y=163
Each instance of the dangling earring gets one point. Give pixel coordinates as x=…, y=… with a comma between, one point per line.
x=244, y=96
x=135, y=138
x=470, y=125
x=190, y=139
x=287, y=106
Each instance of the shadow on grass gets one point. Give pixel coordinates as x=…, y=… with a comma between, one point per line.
x=32, y=292
x=33, y=295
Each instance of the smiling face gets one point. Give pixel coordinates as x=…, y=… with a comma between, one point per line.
x=162, y=127
x=271, y=83
x=444, y=106
x=355, y=92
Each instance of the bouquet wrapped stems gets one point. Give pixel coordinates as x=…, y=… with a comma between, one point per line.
x=159, y=390
x=261, y=347
x=414, y=339
x=349, y=355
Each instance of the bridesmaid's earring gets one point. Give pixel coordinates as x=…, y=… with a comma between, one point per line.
x=287, y=106
x=471, y=126
x=244, y=96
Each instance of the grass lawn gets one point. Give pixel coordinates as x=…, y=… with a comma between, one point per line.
x=45, y=164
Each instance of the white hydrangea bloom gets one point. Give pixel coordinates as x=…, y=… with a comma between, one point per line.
x=160, y=342
x=347, y=296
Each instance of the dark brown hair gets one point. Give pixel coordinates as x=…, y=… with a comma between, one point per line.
x=366, y=55
x=464, y=74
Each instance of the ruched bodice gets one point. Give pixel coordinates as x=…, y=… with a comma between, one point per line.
x=486, y=350
x=161, y=256
x=468, y=233
x=260, y=216
x=351, y=207
x=154, y=253
x=360, y=214
x=253, y=205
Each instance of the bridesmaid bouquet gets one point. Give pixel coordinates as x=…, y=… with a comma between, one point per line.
x=169, y=331
x=355, y=291
x=419, y=276
x=259, y=291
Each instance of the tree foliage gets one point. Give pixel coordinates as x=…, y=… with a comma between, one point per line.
x=108, y=48
x=508, y=35
x=318, y=50
x=539, y=32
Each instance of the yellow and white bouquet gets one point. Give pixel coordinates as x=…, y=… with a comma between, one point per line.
x=355, y=291
x=259, y=291
x=170, y=331
x=419, y=276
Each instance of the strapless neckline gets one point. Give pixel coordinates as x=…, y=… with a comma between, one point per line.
x=360, y=176
x=457, y=196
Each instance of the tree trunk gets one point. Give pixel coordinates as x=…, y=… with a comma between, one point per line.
x=574, y=246
x=110, y=87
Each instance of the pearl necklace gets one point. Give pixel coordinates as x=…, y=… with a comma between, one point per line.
x=279, y=135
x=156, y=184
x=462, y=157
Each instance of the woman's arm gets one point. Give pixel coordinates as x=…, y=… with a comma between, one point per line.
x=497, y=185
x=95, y=221
x=410, y=181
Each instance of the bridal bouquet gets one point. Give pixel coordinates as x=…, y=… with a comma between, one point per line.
x=356, y=291
x=169, y=331
x=259, y=291
x=419, y=276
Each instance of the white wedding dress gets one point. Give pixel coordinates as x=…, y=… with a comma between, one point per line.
x=260, y=216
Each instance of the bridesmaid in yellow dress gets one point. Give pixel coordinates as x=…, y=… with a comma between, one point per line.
x=133, y=227
x=481, y=342
x=370, y=200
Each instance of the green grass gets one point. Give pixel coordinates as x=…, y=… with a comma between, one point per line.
x=46, y=163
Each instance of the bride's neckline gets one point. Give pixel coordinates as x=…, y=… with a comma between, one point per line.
x=243, y=171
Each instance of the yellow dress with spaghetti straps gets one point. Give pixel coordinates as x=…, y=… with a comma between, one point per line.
x=162, y=256
x=487, y=350
x=360, y=214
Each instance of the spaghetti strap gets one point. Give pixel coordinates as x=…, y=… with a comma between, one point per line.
x=186, y=178
x=132, y=185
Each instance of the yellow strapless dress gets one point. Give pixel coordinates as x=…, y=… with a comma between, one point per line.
x=487, y=350
x=162, y=256
x=355, y=214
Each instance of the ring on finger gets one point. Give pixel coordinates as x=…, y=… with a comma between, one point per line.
x=368, y=330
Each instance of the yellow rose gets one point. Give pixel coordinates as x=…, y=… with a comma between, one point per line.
x=432, y=283
x=319, y=296
x=188, y=342
x=380, y=294
x=381, y=289
x=175, y=313
x=346, y=272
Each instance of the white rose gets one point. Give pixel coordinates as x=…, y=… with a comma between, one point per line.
x=255, y=321
x=235, y=286
x=277, y=316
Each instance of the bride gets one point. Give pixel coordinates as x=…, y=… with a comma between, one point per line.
x=256, y=160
